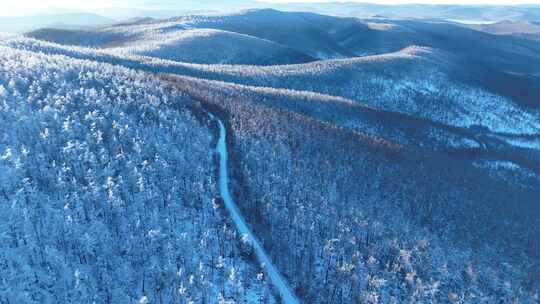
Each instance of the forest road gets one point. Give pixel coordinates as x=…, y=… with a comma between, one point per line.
x=276, y=278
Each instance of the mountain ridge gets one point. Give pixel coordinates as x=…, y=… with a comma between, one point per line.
x=393, y=169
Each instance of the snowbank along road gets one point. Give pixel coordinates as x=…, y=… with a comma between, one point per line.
x=275, y=277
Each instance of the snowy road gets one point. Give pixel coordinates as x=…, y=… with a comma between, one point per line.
x=275, y=277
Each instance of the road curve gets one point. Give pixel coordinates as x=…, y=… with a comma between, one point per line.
x=276, y=279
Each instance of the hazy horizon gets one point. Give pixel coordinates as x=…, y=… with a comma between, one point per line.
x=16, y=8
x=234, y=151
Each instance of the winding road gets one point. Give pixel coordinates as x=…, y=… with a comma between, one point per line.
x=276, y=279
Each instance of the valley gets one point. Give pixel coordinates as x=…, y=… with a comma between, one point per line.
x=269, y=156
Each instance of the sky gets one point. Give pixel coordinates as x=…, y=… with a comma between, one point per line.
x=496, y=2
x=25, y=7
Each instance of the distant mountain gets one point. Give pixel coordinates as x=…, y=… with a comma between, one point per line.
x=510, y=71
x=206, y=46
x=464, y=12
x=309, y=33
x=86, y=37
x=176, y=41
x=315, y=35
x=402, y=166
x=66, y=21
x=524, y=29
x=421, y=82
x=127, y=13
x=167, y=9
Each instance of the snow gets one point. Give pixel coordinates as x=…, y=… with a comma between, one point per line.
x=275, y=277
x=472, y=22
x=210, y=46
x=77, y=112
x=381, y=26
x=524, y=143
x=507, y=170
x=124, y=132
x=5, y=35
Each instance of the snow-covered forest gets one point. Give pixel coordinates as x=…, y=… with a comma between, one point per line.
x=107, y=191
x=269, y=157
x=304, y=178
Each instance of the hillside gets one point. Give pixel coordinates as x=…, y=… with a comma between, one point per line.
x=374, y=191
x=214, y=47
x=270, y=157
x=108, y=185
x=522, y=29
x=86, y=38
x=407, y=92
x=508, y=71
x=177, y=41
x=66, y=21
x=318, y=36
x=465, y=12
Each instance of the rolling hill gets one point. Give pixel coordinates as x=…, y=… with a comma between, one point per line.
x=469, y=12
x=521, y=29
x=178, y=42
x=66, y=21
x=375, y=160
x=90, y=184
x=284, y=204
x=207, y=46
x=509, y=71
x=394, y=82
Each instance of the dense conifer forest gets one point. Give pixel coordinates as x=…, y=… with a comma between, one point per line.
x=308, y=158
